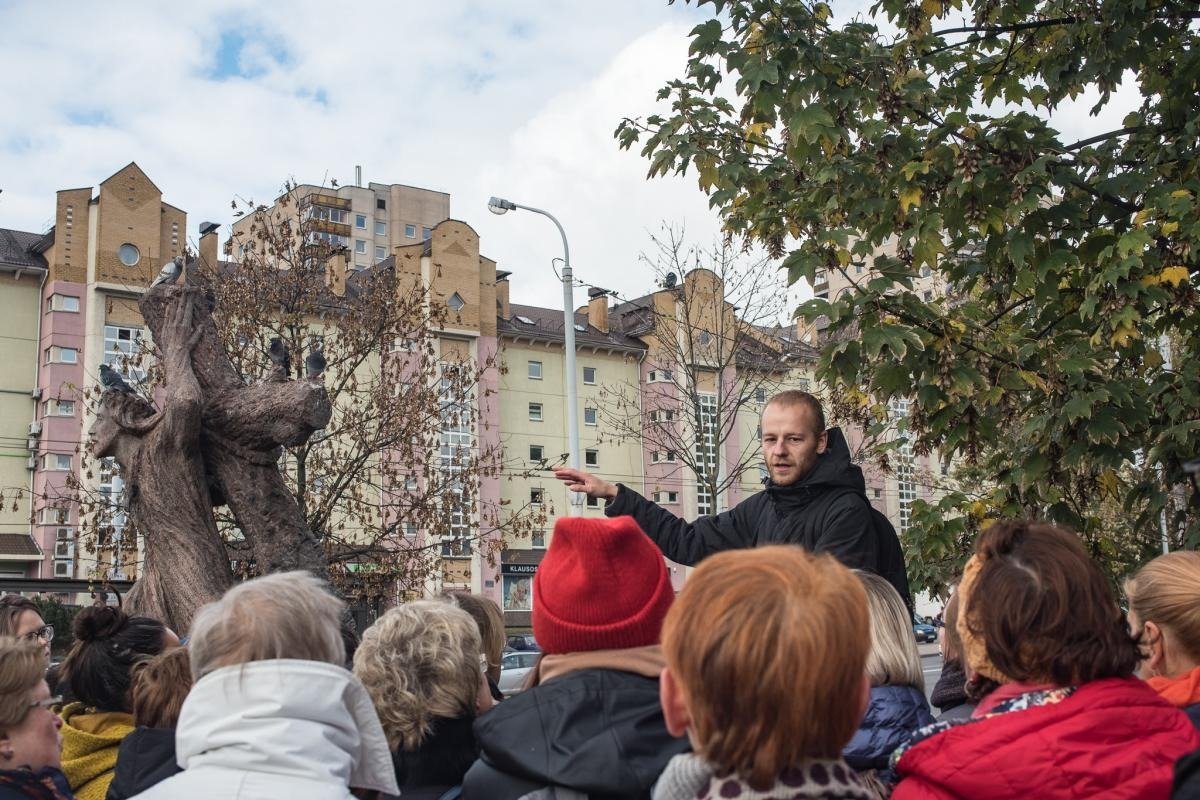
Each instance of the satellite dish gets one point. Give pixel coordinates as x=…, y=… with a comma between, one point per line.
x=670, y=280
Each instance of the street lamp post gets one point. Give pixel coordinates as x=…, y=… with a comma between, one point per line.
x=498, y=205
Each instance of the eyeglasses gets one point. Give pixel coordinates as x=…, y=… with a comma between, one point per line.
x=48, y=703
x=44, y=634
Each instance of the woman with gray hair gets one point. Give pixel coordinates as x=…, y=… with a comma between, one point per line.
x=421, y=663
x=273, y=712
x=897, y=706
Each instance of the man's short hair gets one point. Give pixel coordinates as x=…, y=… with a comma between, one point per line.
x=789, y=398
x=284, y=615
x=758, y=708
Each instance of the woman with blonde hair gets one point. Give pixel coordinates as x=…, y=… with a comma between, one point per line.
x=421, y=665
x=1164, y=613
x=765, y=653
x=29, y=739
x=897, y=705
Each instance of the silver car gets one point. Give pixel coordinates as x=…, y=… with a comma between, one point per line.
x=514, y=667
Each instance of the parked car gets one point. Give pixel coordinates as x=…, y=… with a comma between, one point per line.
x=514, y=667
x=522, y=641
x=923, y=631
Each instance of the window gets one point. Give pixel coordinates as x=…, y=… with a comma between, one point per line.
x=410, y=484
x=518, y=596
x=62, y=569
x=329, y=214
x=63, y=302
x=123, y=352
x=60, y=408
x=129, y=254
x=820, y=276
x=360, y=221
x=380, y=253
x=589, y=416
x=360, y=246
x=589, y=375
x=524, y=320
x=410, y=231
x=927, y=295
x=535, y=412
x=663, y=415
x=666, y=497
x=660, y=376
x=537, y=539
x=380, y=204
x=537, y=497
x=62, y=355
x=662, y=457
x=593, y=502
x=535, y=452
x=535, y=370
x=858, y=269
x=456, y=303
x=705, y=338
x=760, y=395
x=59, y=462
x=380, y=228
x=55, y=516
x=591, y=458
x=410, y=530
x=426, y=233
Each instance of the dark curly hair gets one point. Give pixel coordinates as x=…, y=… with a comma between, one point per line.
x=108, y=643
x=1045, y=611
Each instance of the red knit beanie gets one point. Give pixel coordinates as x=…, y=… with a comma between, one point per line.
x=603, y=585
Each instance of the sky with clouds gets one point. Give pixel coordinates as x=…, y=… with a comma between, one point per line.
x=223, y=98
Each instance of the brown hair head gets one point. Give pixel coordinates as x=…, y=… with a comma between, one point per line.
x=490, y=619
x=22, y=666
x=1043, y=609
x=160, y=686
x=108, y=643
x=768, y=646
x=13, y=606
x=952, y=648
x=790, y=398
x=1167, y=592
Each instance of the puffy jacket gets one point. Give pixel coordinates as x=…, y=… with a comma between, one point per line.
x=824, y=512
x=1187, y=778
x=145, y=757
x=1112, y=738
x=892, y=716
x=599, y=732
x=300, y=730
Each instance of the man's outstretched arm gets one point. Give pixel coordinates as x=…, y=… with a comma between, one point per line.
x=683, y=542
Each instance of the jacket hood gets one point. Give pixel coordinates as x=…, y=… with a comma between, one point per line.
x=893, y=714
x=597, y=731
x=302, y=719
x=833, y=470
x=1110, y=738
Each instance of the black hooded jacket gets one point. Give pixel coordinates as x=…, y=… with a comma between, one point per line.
x=599, y=732
x=825, y=512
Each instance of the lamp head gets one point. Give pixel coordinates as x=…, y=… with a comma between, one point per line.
x=498, y=205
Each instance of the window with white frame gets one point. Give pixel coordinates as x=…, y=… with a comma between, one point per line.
x=63, y=302
x=380, y=254
x=660, y=376
x=410, y=530
x=55, y=515
x=536, y=452
x=360, y=246
x=590, y=416
x=591, y=458
x=380, y=228
x=62, y=355
x=426, y=234
x=802, y=384
x=59, y=462
x=902, y=462
x=327, y=214
x=593, y=502
x=124, y=351
x=589, y=375
x=59, y=408
x=537, y=497
x=662, y=457
x=666, y=497
x=706, y=452
x=535, y=370
x=535, y=412
x=360, y=221
x=410, y=231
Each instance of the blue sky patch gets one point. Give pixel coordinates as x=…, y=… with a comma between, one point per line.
x=247, y=54
x=91, y=117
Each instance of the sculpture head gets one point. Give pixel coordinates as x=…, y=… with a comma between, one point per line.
x=118, y=412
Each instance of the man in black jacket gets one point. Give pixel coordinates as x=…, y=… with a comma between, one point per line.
x=815, y=498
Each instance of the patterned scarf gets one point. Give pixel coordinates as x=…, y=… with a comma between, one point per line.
x=689, y=776
x=46, y=784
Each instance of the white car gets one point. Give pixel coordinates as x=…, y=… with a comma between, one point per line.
x=514, y=667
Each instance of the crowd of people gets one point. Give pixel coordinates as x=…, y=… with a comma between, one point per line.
x=777, y=672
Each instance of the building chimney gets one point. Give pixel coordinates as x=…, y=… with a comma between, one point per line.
x=335, y=271
x=597, y=312
x=208, y=246
x=503, y=310
x=358, y=175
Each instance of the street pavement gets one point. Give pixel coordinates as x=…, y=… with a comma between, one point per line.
x=931, y=665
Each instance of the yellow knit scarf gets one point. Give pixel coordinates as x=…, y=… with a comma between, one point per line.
x=89, y=753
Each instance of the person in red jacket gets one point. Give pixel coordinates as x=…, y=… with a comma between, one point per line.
x=1069, y=719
